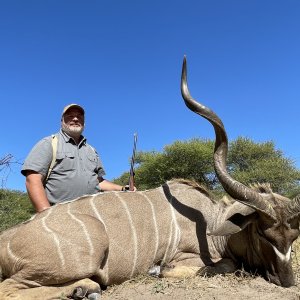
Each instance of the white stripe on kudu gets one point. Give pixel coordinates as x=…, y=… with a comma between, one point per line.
x=155, y=226
x=10, y=253
x=95, y=210
x=177, y=229
x=87, y=235
x=134, y=235
x=55, y=238
x=174, y=232
x=84, y=229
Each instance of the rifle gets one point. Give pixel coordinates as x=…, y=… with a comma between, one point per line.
x=131, y=176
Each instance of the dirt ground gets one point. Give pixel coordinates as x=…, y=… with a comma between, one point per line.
x=219, y=287
x=231, y=286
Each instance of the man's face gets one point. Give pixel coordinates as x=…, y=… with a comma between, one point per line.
x=73, y=121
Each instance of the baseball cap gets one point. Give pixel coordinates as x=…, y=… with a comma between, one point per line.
x=72, y=105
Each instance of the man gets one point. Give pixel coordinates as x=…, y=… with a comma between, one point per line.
x=77, y=170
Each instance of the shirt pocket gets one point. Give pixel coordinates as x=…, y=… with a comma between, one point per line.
x=65, y=161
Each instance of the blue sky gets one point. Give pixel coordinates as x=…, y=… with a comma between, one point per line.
x=122, y=60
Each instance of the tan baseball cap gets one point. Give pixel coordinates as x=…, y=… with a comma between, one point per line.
x=70, y=106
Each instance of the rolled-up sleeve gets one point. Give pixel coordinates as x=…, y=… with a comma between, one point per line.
x=39, y=158
x=100, y=169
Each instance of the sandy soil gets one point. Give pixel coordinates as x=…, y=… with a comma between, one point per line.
x=219, y=287
x=230, y=286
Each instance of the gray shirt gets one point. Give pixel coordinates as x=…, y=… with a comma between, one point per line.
x=75, y=172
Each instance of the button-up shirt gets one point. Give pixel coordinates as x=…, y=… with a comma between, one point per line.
x=76, y=170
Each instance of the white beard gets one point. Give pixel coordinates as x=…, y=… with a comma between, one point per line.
x=72, y=131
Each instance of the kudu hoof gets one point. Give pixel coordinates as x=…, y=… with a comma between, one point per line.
x=207, y=271
x=80, y=293
x=94, y=296
x=154, y=271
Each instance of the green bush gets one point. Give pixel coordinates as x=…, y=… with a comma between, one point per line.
x=248, y=162
x=15, y=207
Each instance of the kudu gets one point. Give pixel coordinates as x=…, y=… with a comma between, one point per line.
x=72, y=248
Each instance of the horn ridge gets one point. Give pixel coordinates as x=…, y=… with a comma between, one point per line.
x=293, y=208
x=235, y=189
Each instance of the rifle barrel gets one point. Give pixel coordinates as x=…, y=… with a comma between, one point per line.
x=131, y=177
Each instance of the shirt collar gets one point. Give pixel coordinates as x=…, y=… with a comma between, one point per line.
x=69, y=139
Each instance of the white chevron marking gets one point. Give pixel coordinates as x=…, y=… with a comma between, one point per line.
x=284, y=257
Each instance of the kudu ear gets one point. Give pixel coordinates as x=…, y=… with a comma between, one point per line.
x=237, y=218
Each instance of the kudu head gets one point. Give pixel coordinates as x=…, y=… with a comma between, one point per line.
x=271, y=220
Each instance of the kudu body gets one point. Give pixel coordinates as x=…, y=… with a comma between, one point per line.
x=110, y=237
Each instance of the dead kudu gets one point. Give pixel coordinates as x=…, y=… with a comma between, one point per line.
x=107, y=238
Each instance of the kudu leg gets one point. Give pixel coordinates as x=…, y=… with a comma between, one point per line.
x=187, y=266
x=84, y=288
x=180, y=272
x=223, y=266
